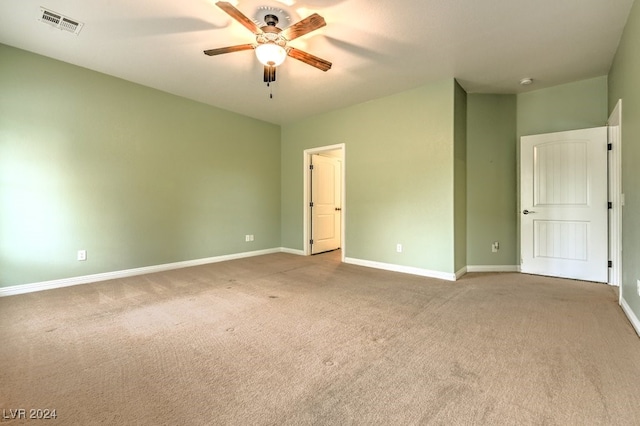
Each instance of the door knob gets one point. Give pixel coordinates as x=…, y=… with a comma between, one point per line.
x=527, y=211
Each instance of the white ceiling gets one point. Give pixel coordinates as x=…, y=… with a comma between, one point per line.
x=377, y=48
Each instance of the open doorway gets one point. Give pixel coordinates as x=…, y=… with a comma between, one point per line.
x=324, y=199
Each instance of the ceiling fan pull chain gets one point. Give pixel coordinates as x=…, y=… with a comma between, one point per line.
x=270, y=77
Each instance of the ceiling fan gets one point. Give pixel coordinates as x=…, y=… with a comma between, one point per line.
x=271, y=42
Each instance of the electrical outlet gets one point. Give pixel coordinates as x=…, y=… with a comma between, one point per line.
x=82, y=255
x=248, y=237
x=399, y=248
x=638, y=284
x=495, y=247
x=251, y=237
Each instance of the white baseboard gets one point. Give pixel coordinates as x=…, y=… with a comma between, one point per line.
x=493, y=268
x=461, y=272
x=400, y=268
x=292, y=251
x=635, y=322
x=86, y=279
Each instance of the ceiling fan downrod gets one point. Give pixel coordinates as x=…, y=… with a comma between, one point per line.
x=271, y=20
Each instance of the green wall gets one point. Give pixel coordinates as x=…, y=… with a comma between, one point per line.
x=399, y=155
x=571, y=106
x=494, y=126
x=624, y=84
x=135, y=176
x=491, y=179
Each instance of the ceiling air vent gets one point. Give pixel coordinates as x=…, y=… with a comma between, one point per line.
x=60, y=21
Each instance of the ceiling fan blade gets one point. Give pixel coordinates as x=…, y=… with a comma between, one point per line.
x=308, y=24
x=239, y=16
x=310, y=59
x=269, y=74
x=229, y=49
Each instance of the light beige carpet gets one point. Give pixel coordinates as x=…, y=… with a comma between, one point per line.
x=289, y=340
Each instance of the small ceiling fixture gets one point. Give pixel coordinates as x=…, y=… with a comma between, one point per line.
x=526, y=81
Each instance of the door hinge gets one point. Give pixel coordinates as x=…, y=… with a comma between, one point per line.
x=609, y=147
x=610, y=264
x=609, y=205
x=311, y=242
x=310, y=166
x=311, y=204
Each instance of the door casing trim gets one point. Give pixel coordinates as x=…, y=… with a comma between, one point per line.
x=615, y=196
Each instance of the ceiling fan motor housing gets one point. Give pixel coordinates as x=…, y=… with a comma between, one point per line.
x=271, y=35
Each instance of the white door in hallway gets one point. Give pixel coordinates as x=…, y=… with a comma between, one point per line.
x=326, y=199
x=563, y=204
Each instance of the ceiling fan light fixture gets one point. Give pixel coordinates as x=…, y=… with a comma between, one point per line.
x=271, y=54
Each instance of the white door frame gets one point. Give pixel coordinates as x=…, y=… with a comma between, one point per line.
x=306, y=198
x=615, y=196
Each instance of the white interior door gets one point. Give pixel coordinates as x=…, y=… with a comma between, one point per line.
x=563, y=200
x=325, y=203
